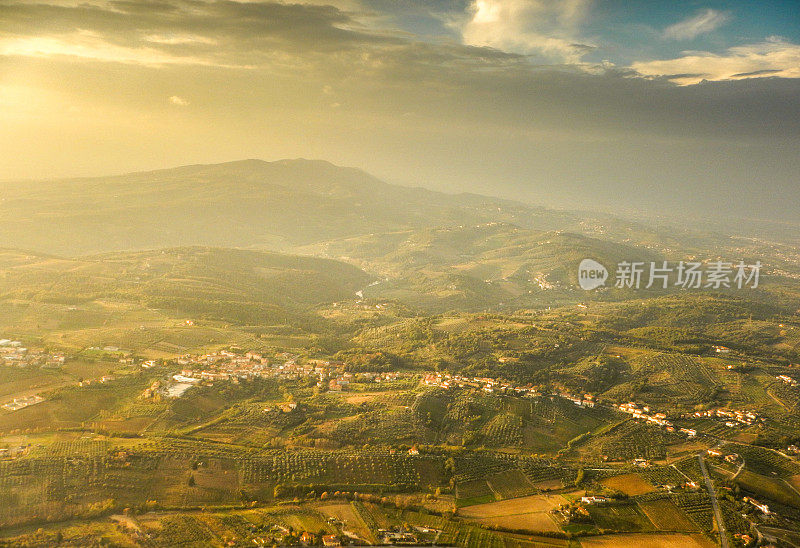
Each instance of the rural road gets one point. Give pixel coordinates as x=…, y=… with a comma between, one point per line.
x=723, y=535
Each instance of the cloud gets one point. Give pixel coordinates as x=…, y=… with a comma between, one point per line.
x=89, y=45
x=477, y=109
x=544, y=27
x=287, y=39
x=182, y=32
x=174, y=39
x=702, y=23
x=774, y=57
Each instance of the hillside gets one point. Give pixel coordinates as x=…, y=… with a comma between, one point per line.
x=123, y=296
x=250, y=203
x=270, y=205
x=479, y=266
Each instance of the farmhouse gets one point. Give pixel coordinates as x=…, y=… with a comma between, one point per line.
x=763, y=507
x=399, y=538
x=787, y=379
x=594, y=499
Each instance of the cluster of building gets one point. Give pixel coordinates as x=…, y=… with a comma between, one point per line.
x=586, y=400
x=643, y=412
x=341, y=380
x=497, y=386
x=397, y=537
x=730, y=418
x=20, y=403
x=14, y=452
x=151, y=391
x=487, y=384
x=102, y=380
x=573, y=513
x=732, y=458
x=227, y=365
x=232, y=366
x=594, y=499
x=787, y=379
x=13, y=353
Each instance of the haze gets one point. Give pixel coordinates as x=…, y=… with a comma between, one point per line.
x=690, y=108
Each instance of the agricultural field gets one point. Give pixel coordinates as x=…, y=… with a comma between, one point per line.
x=648, y=540
x=510, y=484
x=620, y=517
x=773, y=488
x=531, y=513
x=358, y=417
x=697, y=506
x=666, y=516
x=629, y=484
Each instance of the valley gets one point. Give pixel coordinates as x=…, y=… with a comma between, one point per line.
x=430, y=377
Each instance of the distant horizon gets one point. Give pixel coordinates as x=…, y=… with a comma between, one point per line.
x=683, y=108
x=627, y=213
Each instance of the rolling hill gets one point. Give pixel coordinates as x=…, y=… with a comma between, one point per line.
x=439, y=251
x=251, y=203
x=475, y=267
x=136, y=291
x=268, y=205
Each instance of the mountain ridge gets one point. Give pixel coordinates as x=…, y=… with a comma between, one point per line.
x=249, y=203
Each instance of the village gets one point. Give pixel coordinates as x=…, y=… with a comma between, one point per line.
x=15, y=354
x=642, y=412
x=234, y=364
x=332, y=375
x=22, y=402
x=231, y=366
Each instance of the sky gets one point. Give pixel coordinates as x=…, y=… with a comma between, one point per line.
x=683, y=107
